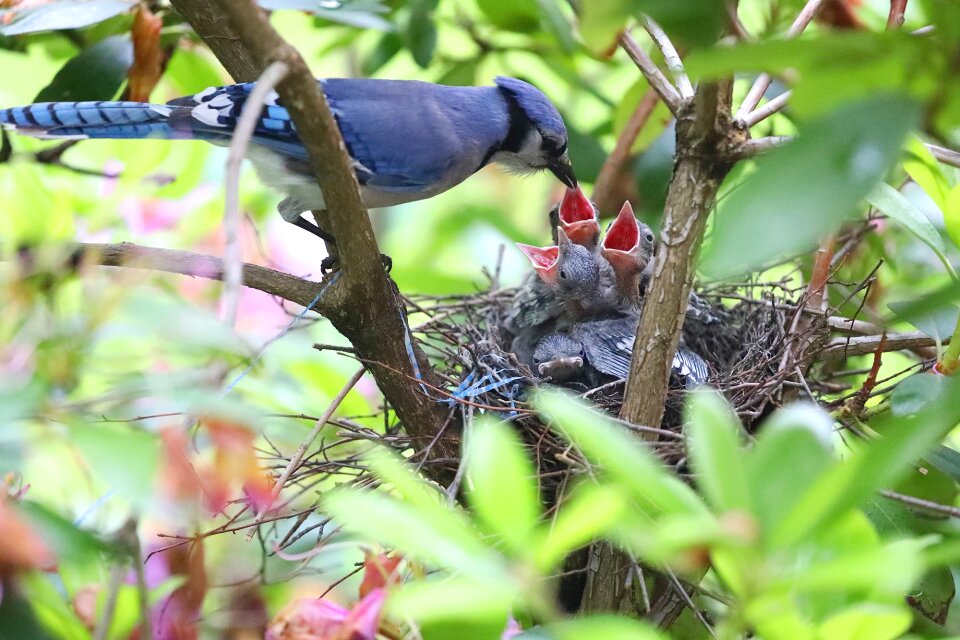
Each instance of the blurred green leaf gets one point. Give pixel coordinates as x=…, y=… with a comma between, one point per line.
x=713, y=443
x=387, y=47
x=587, y=515
x=888, y=200
x=868, y=621
x=599, y=627
x=443, y=538
x=50, y=608
x=938, y=323
x=793, y=438
x=62, y=14
x=844, y=154
x=946, y=460
x=501, y=484
x=363, y=14
x=420, y=34
x=558, y=24
x=691, y=23
x=69, y=542
x=455, y=599
x=516, y=15
x=915, y=393
x=879, y=464
x=124, y=457
x=619, y=454
x=934, y=594
x=95, y=73
x=924, y=170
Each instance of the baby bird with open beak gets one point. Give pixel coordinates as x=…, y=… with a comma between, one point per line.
x=628, y=248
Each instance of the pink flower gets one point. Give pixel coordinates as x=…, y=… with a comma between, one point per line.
x=149, y=215
x=310, y=619
x=513, y=629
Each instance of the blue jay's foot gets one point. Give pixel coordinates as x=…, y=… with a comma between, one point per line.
x=332, y=263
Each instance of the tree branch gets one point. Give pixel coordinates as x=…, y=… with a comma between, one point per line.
x=762, y=83
x=861, y=345
x=670, y=56
x=363, y=304
x=771, y=107
x=651, y=72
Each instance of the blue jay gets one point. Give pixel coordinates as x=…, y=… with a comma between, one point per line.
x=408, y=140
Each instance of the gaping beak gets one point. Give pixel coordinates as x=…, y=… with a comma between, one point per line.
x=562, y=168
x=578, y=218
x=621, y=245
x=544, y=261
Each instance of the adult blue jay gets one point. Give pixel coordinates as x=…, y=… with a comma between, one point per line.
x=408, y=140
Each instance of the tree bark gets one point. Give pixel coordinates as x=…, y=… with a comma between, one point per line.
x=707, y=144
x=363, y=304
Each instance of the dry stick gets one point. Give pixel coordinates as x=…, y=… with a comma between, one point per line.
x=913, y=501
x=233, y=254
x=302, y=449
x=670, y=56
x=110, y=607
x=619, y=158
x=861, y=345
x=944, y=155
x=771, y=107
x=762, y=83
x=895, y=17
x=651, y=72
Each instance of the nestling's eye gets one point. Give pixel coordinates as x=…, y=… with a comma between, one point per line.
x=649, y=236
x=563, y=274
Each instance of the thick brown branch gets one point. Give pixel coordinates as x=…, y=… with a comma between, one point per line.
x=364, y=304
x=703, y=133
x=860, y=345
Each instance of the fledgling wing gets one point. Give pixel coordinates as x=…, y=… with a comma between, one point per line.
x=608, y=344
x=533, y=305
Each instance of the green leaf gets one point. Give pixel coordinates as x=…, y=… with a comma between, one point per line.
x=924, y=169
x=388, y=46
x=589, y=514
x=68, y=541
x=64, y=14
x=516, y=15
x=601, y=22
x=793, y=438
x=713, y=443
x=445, y=539
x=934, y=594
x=605, y=627
x=363, y=14
x=951, y=215
x=690, y=23
x=882, y=463
x=915, y=393
x=501, y=484
x=946, y=460
x=454, y=599
x=124, y=457
x=95, y=73
x=938, y=323
x=844, y=154
x=867, y=621
x=893, y=203
x=420, y=35
x=558, y=23
x=619, y=454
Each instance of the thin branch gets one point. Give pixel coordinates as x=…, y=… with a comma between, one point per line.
x=895, y=17
x=756, y=146
x=767, y=110
x=651, y=72
x=670, y=56
x=914, y=501
x=762, y=83
x=242, y=134
x=102, y=628
x=945, y=155
x=302, y=449
x=861, y=345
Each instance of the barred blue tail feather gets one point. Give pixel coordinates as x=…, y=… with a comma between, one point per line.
x=78, y=120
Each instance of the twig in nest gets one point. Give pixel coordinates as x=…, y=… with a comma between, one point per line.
x=302, y=449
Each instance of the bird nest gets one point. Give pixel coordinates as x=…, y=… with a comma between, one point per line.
x=468, y=340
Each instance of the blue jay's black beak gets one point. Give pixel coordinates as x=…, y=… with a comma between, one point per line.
x=562, y=168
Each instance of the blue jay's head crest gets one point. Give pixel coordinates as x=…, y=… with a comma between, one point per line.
x=538, y=137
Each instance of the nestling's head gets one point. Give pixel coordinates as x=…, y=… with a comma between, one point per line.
x=537, y=138
x=558, y=356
